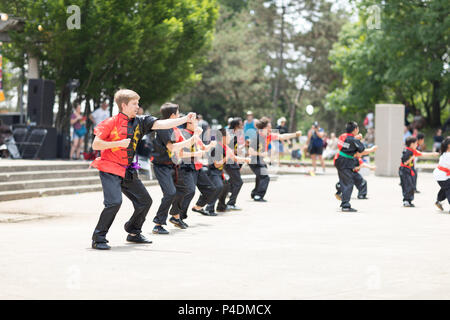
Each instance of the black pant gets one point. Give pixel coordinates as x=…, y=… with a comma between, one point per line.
x=445, y=191
x=185, y=184
x=208, y=190
x=113, y=186
x=235, y=183
x=262, y=180
x=346, y=180
x=407, y=183
x=165, y=176
x=360, y=184
x=223, y=188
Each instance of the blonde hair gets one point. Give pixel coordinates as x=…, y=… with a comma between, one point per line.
x=124, y=96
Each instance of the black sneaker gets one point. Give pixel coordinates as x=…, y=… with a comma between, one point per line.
x=416, y=191
x=177, y=222
x=159, y=230
x=259, y=199
x=439, y=205
x=363, y=197
x=408, y=204
x=100, y=245
x=233, y=207
x=203, y=212
x=184, y=223
x=211, y=213
x=139, y=238
x=338, y=196
x=348, y=209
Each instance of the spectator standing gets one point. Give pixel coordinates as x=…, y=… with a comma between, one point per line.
x=315, y=145
x=100, y=114
x=78, y=122
x=437, y=140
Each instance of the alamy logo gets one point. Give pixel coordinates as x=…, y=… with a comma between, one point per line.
x=74, y=20
x=374, y=19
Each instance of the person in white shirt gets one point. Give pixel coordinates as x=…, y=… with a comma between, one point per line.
x=442, y=174
x=100, y=114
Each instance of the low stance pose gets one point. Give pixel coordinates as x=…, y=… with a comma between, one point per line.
x=117, y=138
x=442, y=174
x=258, y=149
x=349, y=144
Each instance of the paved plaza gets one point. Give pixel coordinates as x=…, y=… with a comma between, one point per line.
x=296, y=246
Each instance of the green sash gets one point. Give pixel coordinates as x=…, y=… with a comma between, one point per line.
x=345, y=155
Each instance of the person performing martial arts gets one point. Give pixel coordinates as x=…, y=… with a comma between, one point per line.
x=349, y=144
x=217, y=158
x=189, y=174
x=166, y=143
x=407, y=170
x=117, y=138
x=442, y=174
x=360, y=182
x=258, y=149
x=233, y=168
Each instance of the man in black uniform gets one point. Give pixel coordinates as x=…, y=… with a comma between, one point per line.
x=233, y=168
x=166, y=143
x=258, y=149
x=189, y=172
x=348, y=145
x=217, y=157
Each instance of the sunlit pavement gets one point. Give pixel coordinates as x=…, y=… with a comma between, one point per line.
x=296, y=246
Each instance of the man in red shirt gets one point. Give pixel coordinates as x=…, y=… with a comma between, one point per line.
x=117, y=138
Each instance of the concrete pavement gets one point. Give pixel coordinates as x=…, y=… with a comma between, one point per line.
x=296, y=246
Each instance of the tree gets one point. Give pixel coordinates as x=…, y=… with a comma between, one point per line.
x=405, y=61
x=153, y=47
x=234, y=79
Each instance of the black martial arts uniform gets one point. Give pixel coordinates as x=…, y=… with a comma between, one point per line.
x=190, y=176
x=345, y=163
x=358, y=180
x=118, y=173
x=258, y=166
x=165, y=169
x=217, y=177
x=233, y=169
x=407, y=175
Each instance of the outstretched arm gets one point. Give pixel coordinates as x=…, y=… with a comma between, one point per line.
x=172, y=123
x=287, y=136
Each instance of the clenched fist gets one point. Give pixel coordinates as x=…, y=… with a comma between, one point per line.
x=191, y=117
x=124, y=143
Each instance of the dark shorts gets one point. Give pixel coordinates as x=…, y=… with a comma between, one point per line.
x=316, y=150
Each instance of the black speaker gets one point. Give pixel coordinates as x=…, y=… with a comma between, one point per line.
x=41, y=98
x=49, y=147
x=64, y=144
x=11, y=118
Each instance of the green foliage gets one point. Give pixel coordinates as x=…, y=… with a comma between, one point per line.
x=153, y=47
x=404, y=61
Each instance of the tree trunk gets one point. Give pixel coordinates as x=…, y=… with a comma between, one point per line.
x=280, y=68
x=435, y=119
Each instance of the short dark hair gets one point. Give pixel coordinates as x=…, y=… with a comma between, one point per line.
x=350, y=126
x=410, y=140
x=420, y=136
x=444, y=145
x=235, y=123
x=167, y=109
x=262, y=123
